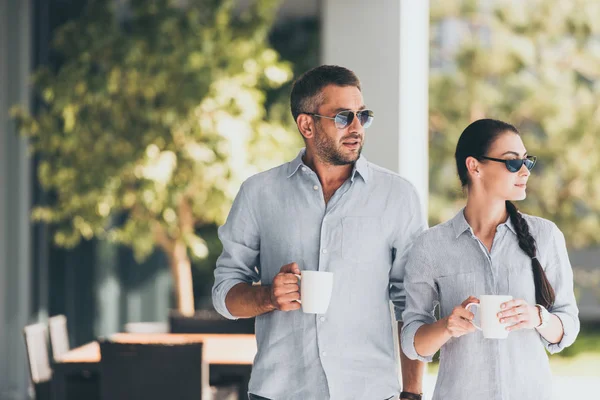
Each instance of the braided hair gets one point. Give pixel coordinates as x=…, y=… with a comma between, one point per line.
x=475, y=141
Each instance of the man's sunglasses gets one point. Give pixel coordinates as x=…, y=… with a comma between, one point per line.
x=515, y=165
x=345, y=118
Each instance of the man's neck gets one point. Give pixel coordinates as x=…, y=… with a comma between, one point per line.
x=329, y=175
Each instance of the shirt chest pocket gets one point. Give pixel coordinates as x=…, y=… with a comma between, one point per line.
x=454, y=289
x=362, y=239
x=520, y=281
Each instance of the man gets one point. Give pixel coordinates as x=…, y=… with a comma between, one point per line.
x=327, y=210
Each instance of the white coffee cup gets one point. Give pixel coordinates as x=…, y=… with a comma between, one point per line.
x=489, y=307
x=315, y=291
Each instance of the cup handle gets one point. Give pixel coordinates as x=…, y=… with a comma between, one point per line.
x=474, y=305
x=300, y=279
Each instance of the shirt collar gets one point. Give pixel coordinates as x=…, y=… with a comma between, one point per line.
x=361, y=166
x=296, y=163
x=460, y=224
x=510, y=225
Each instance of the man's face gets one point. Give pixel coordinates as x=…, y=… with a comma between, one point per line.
x=332, y=145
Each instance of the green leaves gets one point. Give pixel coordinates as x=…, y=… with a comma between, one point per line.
x=536, y=65
x=154, y=118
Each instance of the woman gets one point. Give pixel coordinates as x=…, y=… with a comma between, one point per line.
x=490, y=248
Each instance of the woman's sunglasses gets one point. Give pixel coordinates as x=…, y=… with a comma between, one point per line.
x=345, y=118
x=515, y=165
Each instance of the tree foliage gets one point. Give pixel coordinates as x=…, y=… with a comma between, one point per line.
x=153, y=118
x=535, y=64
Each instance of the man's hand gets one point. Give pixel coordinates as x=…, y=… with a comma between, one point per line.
x=285, y=290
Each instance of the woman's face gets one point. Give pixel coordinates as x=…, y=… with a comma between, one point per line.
x=495, y=179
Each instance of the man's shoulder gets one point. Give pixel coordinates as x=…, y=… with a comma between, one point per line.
x=395, y=181
x=269, y=177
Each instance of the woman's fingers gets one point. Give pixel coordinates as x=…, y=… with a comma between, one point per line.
x=520, y=325
x=519, y=314
x=471, y=299
x=458, y=322
x=463, y=313
x=512, y=303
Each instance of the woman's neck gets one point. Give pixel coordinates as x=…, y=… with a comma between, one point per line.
x=484, y=215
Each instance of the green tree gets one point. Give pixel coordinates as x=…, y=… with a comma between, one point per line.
x=535, y=64
x=153, y=119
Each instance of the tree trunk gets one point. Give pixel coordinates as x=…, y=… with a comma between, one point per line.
x=181, y=268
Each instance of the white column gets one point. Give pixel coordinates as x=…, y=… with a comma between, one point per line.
x=386, y=43
x=15, y=198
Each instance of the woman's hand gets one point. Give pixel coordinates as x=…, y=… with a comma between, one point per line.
x=458, y=323
x=519, y=315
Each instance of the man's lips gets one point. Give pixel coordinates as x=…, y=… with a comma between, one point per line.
x=352, y=142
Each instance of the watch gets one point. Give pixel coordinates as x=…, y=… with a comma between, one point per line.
x=544, y=316
x=411, y=396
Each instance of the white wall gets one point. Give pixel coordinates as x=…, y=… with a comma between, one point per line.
x=386, y=43
x=15, y=248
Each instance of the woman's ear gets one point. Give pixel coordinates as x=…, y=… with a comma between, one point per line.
x=306, y=125
x=473, y=167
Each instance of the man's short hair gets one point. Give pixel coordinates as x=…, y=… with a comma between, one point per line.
x=307, y=93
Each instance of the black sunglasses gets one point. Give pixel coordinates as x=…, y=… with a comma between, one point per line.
x=515, y=165
x=345, y=118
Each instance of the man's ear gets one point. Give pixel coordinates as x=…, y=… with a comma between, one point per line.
x=306, y=125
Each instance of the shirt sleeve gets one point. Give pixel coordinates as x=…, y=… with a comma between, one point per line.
x=407, y=230
x=560, y=275
x=421, y=299
x=238, y=263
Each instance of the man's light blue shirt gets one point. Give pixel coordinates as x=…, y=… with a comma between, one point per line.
x=362, y=235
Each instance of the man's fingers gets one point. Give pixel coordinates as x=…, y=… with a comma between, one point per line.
x=288, y=302
x=283, y=278
x=287, y=298
x=291, y=306
x=291, y=268
x=281, y=290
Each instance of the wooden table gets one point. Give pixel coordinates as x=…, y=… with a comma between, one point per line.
x=226, y=354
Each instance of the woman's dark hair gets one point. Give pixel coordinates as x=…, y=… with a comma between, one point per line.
x=475, y=141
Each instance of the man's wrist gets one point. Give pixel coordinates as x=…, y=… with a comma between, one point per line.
x=406, y=395
x=264, y=301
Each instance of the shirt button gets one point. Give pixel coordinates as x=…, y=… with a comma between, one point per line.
x=322, y=319
x=324, y=251
x=304, y=169
x=324, y=354
x=316, y=187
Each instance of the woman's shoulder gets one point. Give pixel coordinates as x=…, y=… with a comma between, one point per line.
x=540, y=227
x=435, y=236
x=545, y=232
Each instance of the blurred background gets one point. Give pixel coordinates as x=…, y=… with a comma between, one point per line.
x=127, y=127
